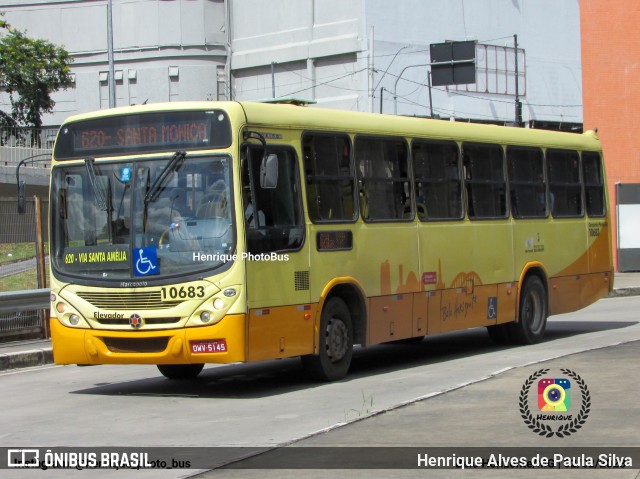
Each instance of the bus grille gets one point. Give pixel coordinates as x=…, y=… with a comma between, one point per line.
x=127, y=300
x=301, y=280
x=125, y=321
x=136, y=345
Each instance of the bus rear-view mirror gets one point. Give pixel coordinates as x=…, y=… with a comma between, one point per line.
x=269, y=171
x=21, y=201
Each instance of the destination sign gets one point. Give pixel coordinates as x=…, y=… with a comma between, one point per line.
x=101, y=257
x=334, y=240
x=142, y=133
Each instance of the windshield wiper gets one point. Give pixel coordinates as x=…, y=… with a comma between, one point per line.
x=98, y=194
x=156, y=187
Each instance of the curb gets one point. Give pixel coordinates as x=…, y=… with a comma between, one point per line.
x=26, y=359
x=623, y=292
x=44, y=356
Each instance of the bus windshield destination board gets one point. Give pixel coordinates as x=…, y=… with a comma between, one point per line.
x=148, y=132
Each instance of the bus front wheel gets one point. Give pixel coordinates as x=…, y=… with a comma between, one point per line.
x=180, y=371
x=532, y=314
x=335, y=343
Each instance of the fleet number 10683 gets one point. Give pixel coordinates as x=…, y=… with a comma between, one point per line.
x=182, y=292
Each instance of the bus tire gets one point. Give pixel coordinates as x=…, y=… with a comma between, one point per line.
x=335, y=343
x=180, y=371
x=533, y=312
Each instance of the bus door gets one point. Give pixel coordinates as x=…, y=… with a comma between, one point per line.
x=467, y=261
x=276, y=255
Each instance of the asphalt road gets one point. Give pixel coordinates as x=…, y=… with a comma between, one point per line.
x=15, y=267
x=272, y=403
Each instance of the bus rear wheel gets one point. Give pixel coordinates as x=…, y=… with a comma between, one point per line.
x=335, y=343
x=180, y=371
x=533, y=313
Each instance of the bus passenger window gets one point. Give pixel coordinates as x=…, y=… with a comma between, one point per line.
x=383, y=176
x=485, y=181
x=438, y=185
x=565, y=191
x=329, y=177
x=525, y=167
x=593, y=184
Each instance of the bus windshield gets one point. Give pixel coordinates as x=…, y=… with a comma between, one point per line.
x=155, y=218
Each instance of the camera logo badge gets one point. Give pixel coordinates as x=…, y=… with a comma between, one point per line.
x=554, y=394
x=554, y=403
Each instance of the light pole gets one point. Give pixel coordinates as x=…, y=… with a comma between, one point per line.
x=112, y=72
x=518, y=104
x=385, y=72
x=395, y=86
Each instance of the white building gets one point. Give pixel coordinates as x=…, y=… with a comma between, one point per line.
x=163, y=50
x=343, y=54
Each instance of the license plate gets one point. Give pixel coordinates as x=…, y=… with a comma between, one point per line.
x=208, y=346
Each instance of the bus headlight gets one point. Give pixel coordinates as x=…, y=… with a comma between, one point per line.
x=74, y=319
x=213, y=309
x=218, y=304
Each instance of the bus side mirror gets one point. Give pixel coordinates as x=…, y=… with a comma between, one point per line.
x=21, y=203
x=269, y=171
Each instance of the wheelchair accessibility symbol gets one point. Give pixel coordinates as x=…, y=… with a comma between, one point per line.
x=146, y=261
x=492, y=308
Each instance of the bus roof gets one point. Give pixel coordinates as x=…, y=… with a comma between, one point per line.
x=291, y=115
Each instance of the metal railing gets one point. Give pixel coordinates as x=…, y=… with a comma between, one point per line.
x=28, y=137
x=24, y=312
x=24, y=295
x=21, y=301
x=16, y=144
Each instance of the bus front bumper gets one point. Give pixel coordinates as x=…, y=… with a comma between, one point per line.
x=223, y=342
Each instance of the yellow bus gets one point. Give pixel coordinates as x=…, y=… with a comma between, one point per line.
x=218, y=232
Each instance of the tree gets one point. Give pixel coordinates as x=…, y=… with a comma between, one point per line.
x=30, y=71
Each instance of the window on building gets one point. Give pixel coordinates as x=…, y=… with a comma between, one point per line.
x=383, y=177
x=565, y=191
x=525, y=167
x=438, y=186
x=329, y=177
x=485, y=181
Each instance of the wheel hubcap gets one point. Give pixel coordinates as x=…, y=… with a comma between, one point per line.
x=533, y=312
x=337, y=339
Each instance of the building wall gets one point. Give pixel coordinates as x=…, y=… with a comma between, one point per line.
x=548, y=31
x=164, y=50
x=611, y=79
x=318, y=50
x=326, y=43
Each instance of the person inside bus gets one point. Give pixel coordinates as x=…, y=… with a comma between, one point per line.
x=179, y=205
x=214, y=202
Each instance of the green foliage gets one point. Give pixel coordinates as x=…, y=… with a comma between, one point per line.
x=30, y=70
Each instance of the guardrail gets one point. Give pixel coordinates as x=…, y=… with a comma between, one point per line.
x=21, y=312
x=29, y=300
